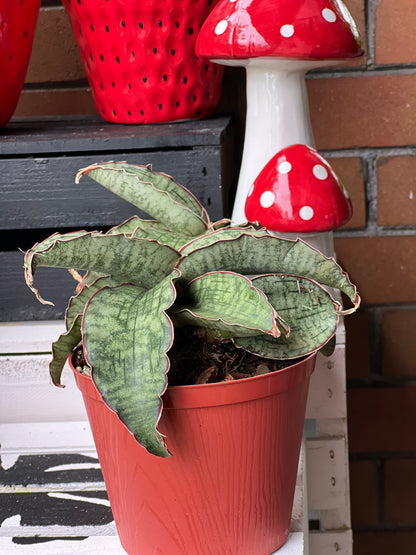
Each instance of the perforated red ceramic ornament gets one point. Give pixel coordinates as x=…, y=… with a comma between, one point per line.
x=297, y=192
x=140, y=60
x=17, y=28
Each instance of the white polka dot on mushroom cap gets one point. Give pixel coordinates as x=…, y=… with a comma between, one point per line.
x=329, y=15
x=306, y=213
x=287, y=31
x=320, y=172
x=267, y=199
x=221, y=27
x=284, y=167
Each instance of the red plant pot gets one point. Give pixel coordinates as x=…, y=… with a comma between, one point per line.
x=17, y=28
x=229, y=486
x=140, y=61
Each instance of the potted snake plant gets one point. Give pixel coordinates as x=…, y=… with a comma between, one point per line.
x=219, y=327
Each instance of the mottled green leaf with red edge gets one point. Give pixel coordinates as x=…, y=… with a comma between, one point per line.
x=126, y=335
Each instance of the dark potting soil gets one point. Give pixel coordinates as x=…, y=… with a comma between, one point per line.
x=195, y=359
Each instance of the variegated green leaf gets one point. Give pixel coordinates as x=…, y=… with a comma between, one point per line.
x=329, y=347
x=253, y=255
x=127, y=227
x=227, y=302
x=222, y=234
x=150, y=229
x=306, y=307
x=62, y=348
x=138, y=261
x=126, y=334
x=157, y=194
x=78, y=302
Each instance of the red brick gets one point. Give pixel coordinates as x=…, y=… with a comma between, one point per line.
x=382, y=419
x=384, y=268
x=55, y=56
x=395, y=32
x=373, y=111
x=357, y=348
x=59, y=102
x=363, y=490
x=400, y=491
x=350, y=173
x=396, y=190
x=384, y=543
x=398, y=343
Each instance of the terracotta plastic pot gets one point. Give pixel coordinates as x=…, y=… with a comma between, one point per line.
x=229, y=486
x=17, y=28
x=140, y=60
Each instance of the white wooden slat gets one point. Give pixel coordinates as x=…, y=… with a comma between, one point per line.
x=90, y=546
x=332, y=427
x=108, y=544
x=294, y=545
x=300, y=521
x=336, y=519
x=39, y=438
x=327, y=391
x=29, y=337
x=327, y=469
x=331, y=543
x=27, y=395
x=54, y=487
x=11, y=527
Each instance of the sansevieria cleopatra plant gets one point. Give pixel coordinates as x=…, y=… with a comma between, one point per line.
x=147, y=278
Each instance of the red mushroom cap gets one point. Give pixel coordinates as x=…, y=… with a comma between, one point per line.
x=301, y=29
x=297, y=191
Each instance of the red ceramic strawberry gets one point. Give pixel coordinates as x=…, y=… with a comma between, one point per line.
x=17, y=28
x=140, y=61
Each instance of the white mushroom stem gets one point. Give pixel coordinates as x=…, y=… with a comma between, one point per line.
x=277, y=116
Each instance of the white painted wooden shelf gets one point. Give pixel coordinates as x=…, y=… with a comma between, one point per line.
x=42, y=426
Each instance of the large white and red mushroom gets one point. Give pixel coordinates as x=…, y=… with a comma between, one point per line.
x=297, y=193
x=277, y=42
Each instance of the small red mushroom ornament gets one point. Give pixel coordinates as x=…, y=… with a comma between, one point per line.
x=298, y=192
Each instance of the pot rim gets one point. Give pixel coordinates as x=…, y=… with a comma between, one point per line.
x=220, y=393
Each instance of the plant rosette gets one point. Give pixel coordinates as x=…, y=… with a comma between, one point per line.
x=148, y=280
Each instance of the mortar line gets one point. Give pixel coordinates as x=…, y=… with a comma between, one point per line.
x=360, y=152
x=382, y=70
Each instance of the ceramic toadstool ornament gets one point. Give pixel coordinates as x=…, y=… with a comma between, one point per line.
x=277, y=41
x=297, y=194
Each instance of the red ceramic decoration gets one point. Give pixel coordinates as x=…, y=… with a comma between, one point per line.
x=17, y=28
x=140, y=61
x=297, y=191
x=229, y=486
x=302, y=29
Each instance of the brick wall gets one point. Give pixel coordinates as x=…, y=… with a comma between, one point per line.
x=364, y=119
